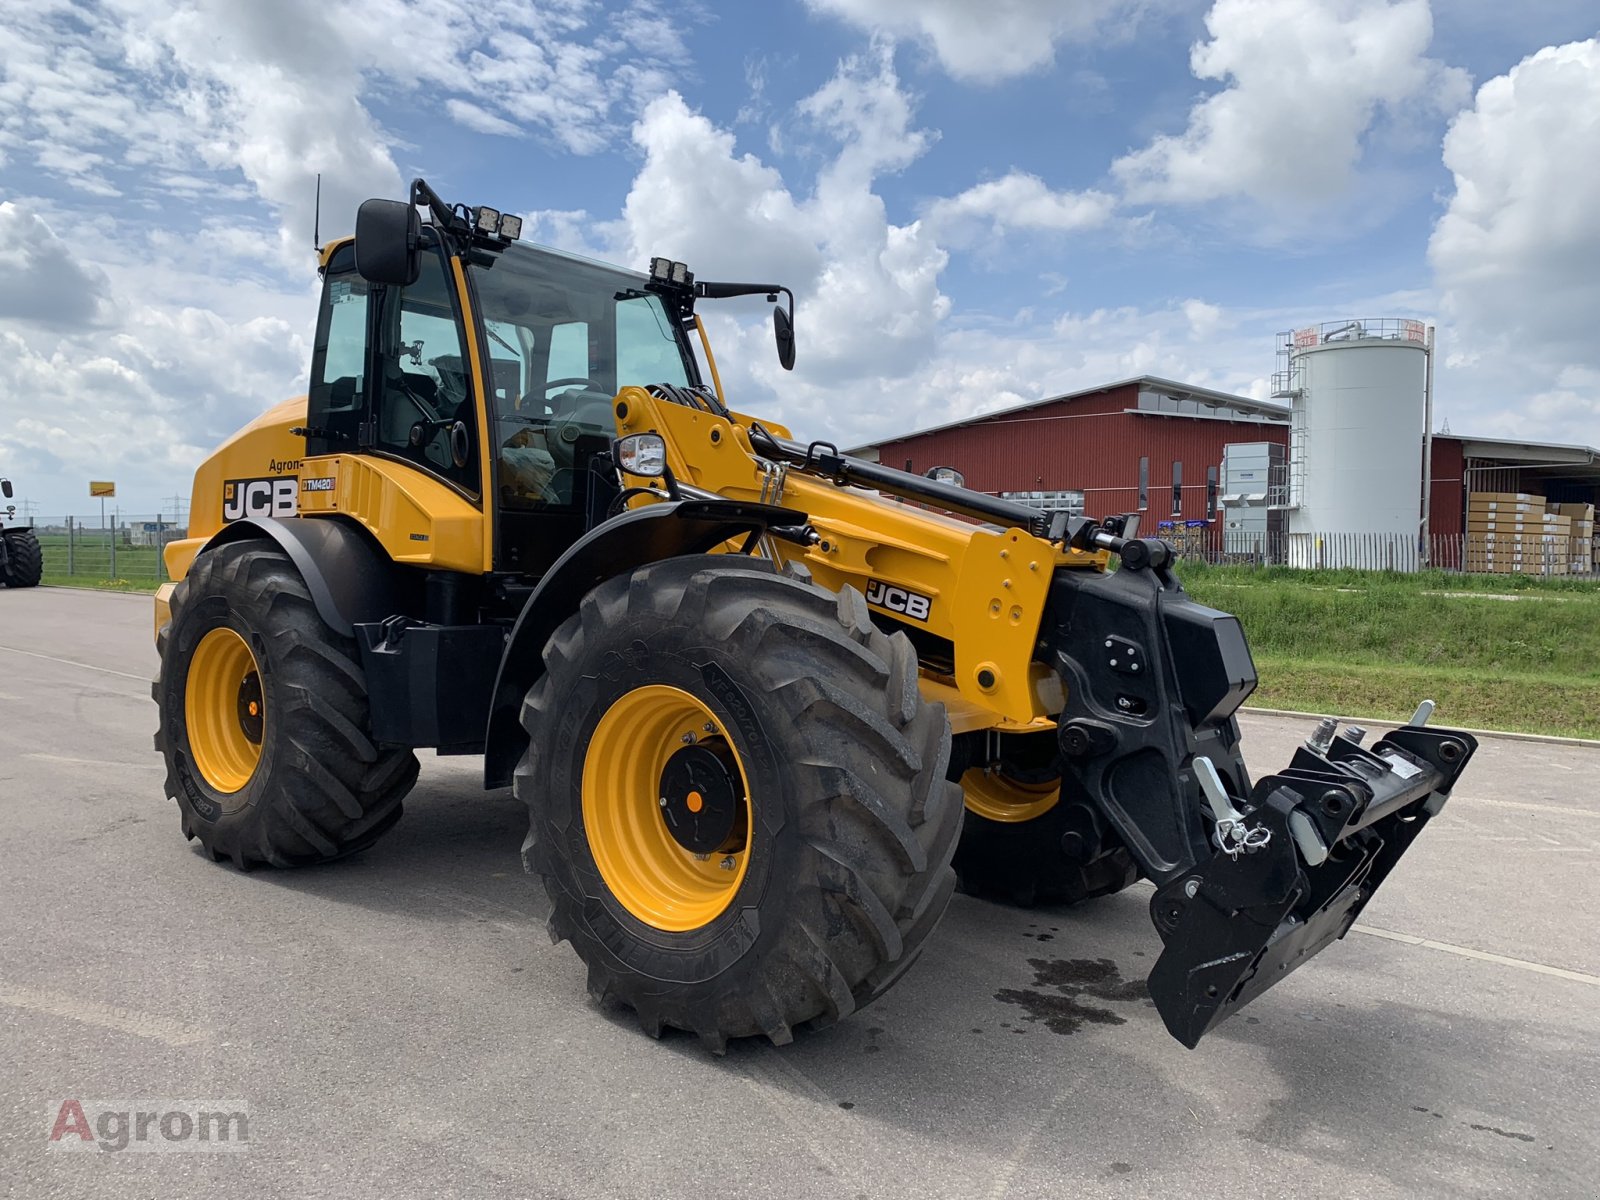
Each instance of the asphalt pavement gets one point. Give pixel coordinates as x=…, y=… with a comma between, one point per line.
x=399, y=1025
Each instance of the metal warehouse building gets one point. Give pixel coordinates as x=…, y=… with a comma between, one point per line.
x=1158, y=447
x=1142, y=444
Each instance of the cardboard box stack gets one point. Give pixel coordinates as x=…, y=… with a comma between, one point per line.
x=1582, y=546
x=1516, y=533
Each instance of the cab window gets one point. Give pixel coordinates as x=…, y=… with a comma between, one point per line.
x=337, y=399
x=423, y=411
x=583, y=331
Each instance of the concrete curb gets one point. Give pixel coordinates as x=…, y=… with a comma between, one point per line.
x=73, y=587
x=1588, y=743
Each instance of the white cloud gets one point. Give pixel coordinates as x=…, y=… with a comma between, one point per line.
x=142, y=395
x=880, y=349
x=479, y=121
x=98, y=91
x=1021, y=202
x=40, y=281
x=1305, y=82
x=994, y=40
x=1204, y=319
x=182, y=139
x=1517, y=252
x=871, y=286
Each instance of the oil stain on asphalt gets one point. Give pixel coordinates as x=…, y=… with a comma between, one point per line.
x=1064, y=988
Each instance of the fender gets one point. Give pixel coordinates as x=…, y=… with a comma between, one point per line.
x=349, y=577
x=622, y=544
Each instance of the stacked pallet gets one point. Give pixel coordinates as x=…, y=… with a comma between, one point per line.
x=1583, y=550
x=1516, y=533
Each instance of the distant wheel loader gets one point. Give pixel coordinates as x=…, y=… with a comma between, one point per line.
x=762, y=710
x=21, y=558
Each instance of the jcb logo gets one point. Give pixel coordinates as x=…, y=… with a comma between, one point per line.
x=898, y=599
x=278, y=497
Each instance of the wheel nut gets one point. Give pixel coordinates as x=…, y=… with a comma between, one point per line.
x=688, y=739
x=663, y=802
x=709, y=727
x=727, y=864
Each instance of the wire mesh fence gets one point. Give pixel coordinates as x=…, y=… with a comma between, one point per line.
x=127, y=550
x=114, y=549
x=1462, y=553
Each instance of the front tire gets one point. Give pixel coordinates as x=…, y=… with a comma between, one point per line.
x=709, y=706
x=24, y=558
x=264, y=718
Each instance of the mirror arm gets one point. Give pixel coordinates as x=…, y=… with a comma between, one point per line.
x=444, y=216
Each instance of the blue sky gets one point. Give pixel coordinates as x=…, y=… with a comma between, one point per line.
x=977, y=204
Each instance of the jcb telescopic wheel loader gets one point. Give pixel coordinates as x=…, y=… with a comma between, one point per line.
x=21, y=558
x=756, y=694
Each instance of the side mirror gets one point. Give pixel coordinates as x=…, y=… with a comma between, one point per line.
x=388, y=235
x=783, y=332
x=5, y=486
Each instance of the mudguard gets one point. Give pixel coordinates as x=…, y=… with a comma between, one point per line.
x=350, y=578
x=622, y=544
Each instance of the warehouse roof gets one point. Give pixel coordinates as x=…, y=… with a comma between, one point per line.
x=1185, y=400
x=1526, y=453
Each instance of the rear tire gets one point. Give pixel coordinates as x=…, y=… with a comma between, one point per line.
x=24, y=558
x=841, y=868
x=311, y=785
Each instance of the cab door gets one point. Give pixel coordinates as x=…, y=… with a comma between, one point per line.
x=391, y=374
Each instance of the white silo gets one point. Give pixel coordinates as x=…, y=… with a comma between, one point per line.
x=1359, y=411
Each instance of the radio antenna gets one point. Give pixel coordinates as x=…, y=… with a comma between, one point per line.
x=316, y=220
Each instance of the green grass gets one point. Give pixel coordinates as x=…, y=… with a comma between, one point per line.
x=138, y=568
x=1363, y=643
x=1373, y=643
x=99, y=584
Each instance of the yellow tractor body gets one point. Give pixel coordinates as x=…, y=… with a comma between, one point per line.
x=764, y=701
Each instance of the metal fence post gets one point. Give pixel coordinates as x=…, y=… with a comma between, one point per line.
x=112, y=547
x=70, y=539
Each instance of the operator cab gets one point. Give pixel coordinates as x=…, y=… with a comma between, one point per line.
x=557, y=336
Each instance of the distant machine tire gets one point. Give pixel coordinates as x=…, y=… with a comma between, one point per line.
x=264, y=717
x=737, y=798
x=1022, y=840
x=24, y=558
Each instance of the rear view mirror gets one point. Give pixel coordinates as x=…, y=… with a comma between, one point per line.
x=783, y=331
x=5, y=486
x=388, y=233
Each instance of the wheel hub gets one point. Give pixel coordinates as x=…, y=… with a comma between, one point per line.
x=702, y=799
x=251, y=718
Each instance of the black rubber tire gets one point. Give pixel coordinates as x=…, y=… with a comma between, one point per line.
x=853, y=820
x=322, y=788
x=24, y=558
x=1023, y=862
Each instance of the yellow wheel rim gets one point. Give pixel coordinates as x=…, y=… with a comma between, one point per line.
x=224, y=710
x=636, y=760
x=993, y=795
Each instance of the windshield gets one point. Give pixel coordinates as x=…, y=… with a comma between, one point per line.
x=564, y=335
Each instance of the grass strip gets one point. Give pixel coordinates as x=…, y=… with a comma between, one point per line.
x=1562, y=706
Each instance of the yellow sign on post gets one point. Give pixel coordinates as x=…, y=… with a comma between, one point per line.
x=101, y=489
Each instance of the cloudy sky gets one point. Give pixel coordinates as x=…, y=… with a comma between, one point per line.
x=977, y=202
